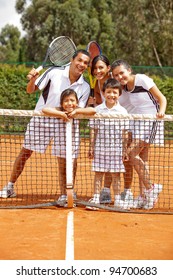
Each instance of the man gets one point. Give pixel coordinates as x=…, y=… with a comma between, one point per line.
x=40, y=130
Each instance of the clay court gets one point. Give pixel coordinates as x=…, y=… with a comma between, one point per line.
x=41, y=233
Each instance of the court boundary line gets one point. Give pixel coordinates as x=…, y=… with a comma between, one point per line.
x=70, y=237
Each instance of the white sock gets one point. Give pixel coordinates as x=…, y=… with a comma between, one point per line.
x=96, y=196
x=127, y=190
x=106, y=189
x=10, y=185
x=117, y=197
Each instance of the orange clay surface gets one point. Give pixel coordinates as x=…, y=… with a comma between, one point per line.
x=40, y=234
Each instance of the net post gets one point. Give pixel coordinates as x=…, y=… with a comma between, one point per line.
x=69, y=164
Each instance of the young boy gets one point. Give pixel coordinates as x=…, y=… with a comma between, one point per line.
x=108, y=143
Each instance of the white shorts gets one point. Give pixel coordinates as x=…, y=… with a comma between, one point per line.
x=40, y=131
x=108, y=163
x=150, y=131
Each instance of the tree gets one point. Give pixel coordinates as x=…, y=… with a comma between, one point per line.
x=139, y=31
x=9, y=43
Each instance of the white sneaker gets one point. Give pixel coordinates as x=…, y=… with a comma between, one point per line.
x=7, y=192
x=127, y=196
x=94, y=201
x=105, y=196
x=139, y=202
x=62, y=200
x=119, y=203
x=152, y=196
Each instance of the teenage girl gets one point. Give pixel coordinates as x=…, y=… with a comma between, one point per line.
x=141, y=96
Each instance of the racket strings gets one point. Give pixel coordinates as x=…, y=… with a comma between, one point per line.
x=61, y=51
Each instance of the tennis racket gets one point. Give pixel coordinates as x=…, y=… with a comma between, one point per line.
x=59, y=53
x=94, y=49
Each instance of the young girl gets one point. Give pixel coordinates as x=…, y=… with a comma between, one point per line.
x=68, y=108
x=141, y=96
x=106, y=143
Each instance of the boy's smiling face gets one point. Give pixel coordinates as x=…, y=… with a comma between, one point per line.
x=111, y=96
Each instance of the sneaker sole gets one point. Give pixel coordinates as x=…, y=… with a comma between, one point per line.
x=91, y=208
x=8, y=196
x=148, y=207
x=105, y=201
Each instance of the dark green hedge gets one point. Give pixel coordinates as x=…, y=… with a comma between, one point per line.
x=13, y=83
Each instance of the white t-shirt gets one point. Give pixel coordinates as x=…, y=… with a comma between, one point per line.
x=140, y=101
x=53, y=81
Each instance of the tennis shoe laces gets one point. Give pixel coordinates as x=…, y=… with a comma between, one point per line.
x=105, y=196
x=93, y=200
x=7, y=192
x=139, y=202
x=152, y=196
x=127, y=196
x=119, y=203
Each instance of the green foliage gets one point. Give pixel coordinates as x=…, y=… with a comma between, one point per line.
x=166, y=87
x=13, y=83
x=139, y=31
x=9, y=43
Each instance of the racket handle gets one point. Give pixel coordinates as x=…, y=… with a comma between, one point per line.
x=92, y=95
x=39, y=68
x=92, y=92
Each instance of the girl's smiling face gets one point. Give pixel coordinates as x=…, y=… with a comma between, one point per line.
x=69, y=103
x=121, y=74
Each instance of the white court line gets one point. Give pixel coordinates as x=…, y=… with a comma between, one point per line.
x=70, y=237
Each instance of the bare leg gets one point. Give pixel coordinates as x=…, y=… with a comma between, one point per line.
x=62, y=173
x=19, y=164
x=98, y=182
x=140, y=166
x=108, y=180
x=144, y=156
x=116, y=183
x=128, y=175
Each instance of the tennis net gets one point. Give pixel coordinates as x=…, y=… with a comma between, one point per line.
x=41, y=181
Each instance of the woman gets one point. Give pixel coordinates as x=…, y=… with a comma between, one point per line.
x=100, y=70
x=141, y=96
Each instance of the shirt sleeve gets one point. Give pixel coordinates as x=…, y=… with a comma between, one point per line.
x=146, y=82
x=42, y=81
x=83, y=97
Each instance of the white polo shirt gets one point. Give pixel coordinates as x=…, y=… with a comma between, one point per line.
x=55, y=80
x=41, y=130
x=109, y=136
